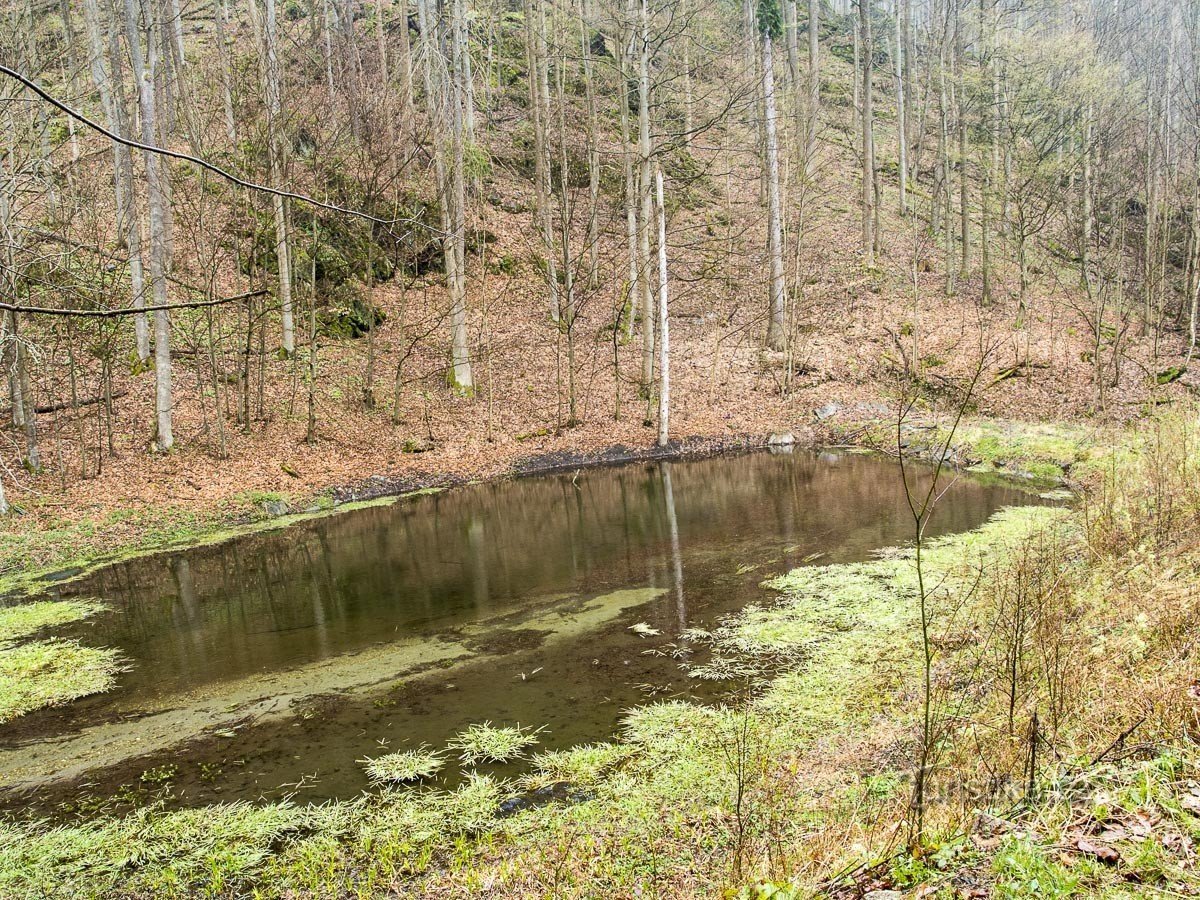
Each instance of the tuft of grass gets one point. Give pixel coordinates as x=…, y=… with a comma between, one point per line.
x=488, y=743
x=26, y=619
x=405, y=766
x=51, y=673
x=584, y=766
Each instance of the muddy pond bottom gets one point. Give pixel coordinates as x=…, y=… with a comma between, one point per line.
x=272, y=665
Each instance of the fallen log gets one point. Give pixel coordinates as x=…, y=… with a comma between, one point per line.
x=67, y=404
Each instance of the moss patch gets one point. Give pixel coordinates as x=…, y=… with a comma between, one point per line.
x=1038, y=451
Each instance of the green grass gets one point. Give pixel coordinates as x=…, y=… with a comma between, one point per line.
x=51, y=673
x=26, y=619
x=404, y=766
x=583, y=766
x=489, y=743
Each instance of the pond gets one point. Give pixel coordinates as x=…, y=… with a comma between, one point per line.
x=270, y=665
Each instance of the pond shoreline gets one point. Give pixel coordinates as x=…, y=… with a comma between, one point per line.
x=272, y=514
x=221, y=523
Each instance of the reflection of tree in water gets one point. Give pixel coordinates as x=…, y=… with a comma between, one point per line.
x=436, y=562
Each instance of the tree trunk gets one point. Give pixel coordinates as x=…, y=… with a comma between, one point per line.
x=266, y=27
x=901, y=103
x=868, y=134
x=539, y=104
x=593, y=139
x=128, y=217
x=814, y=86
x=775, y=328
x=221, y=24
x=628, y=143
x=463, y=382
x=664, y=336
x=144, y=66
x=645, y=187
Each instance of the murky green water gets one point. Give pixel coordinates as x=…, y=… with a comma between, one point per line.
x=272, y=663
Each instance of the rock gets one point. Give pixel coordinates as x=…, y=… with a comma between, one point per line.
x=827, y=411
x=781, y=439
x=275, y=508
x=417, y=445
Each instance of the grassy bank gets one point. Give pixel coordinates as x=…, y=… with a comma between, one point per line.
x=34, y=550
x=1048, y=452
x=39, y=673
x=1059, y=724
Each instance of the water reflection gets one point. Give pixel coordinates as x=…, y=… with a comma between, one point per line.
x=433, y=562
x=706, y=532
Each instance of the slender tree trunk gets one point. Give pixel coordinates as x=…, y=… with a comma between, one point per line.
x=963, y=180
x=539, y=103
x=144, y=66
x=128, y=217
x=814, y=87
x=868, y=133
x=327, y=28
x=458, y=95
x=645, y=187
x=406, y=65
x=688, y=100
x=266, y=26
x=901, y=103
x=628, y=143
x=24, y=395
x=664, y=336
x=221, y=36
x=775, y=328
x=593, y=149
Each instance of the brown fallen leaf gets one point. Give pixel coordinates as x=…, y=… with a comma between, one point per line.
x=1106, y=854
x=1191, y=800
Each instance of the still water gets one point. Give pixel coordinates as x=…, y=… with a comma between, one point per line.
x=270, y=664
